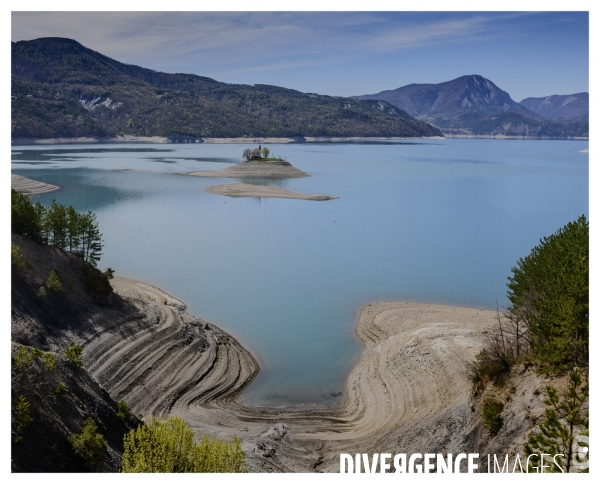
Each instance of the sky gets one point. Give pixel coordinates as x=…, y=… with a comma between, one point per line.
x=527, y=54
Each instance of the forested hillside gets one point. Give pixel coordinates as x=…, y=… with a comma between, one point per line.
x=62, y=89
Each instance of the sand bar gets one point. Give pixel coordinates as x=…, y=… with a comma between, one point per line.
x=261, y=191
x=408, y=391
x=257, y=169
x=29, y=186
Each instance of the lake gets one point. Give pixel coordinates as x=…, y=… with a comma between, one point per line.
x=438, y=221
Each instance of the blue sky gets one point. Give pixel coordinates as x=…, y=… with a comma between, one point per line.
x=338, y=53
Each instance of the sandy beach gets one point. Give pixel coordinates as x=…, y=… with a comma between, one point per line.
x=261, y=191
x=407, y=392
x=254, y=169
x=29, y=186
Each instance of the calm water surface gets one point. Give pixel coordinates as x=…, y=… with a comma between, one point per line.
x=436, y=221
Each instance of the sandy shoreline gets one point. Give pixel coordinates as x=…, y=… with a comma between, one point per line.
x=410, y=377
x=29, y=186
x=262, y=191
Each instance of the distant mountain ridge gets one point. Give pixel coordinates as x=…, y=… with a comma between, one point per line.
x=60, y=88
x=464, y=95
x=570, y=106
x=474, y=106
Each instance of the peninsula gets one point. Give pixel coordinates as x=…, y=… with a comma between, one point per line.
x=29, y=186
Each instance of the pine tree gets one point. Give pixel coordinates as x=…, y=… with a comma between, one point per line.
x=73, y=234
x=56, y=219
x=91, y=238
x=565, y=420
x=74, y=353
x=90, y=445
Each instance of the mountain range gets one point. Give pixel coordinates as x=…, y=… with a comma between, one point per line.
x=60, y=88
x=572, y=106
x=474, y=106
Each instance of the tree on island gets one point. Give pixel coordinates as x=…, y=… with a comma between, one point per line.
x=255, y=154
x=265, y=152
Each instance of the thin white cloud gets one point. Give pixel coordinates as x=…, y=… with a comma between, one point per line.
x=229, y=43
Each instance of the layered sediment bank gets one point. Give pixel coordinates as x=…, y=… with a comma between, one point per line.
x=262, y=191
x=256, y=169
x=29, y=186
x=407, y=392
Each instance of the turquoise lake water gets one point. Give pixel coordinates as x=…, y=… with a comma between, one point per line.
x=435, y=221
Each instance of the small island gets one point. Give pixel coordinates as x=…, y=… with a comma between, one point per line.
x=262, y=191
x=256, y=164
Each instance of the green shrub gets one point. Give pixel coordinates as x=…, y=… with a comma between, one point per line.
x=89, y=445
x=168, y=446
x=37, y=352
x=53, y=283
x=23, y=356
x=74, y=353
x=491, y=414
x=218, y=456
x=123, y=410
x=22, y=412
x=61, y=389
x=22, y=416
x=49, y=361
